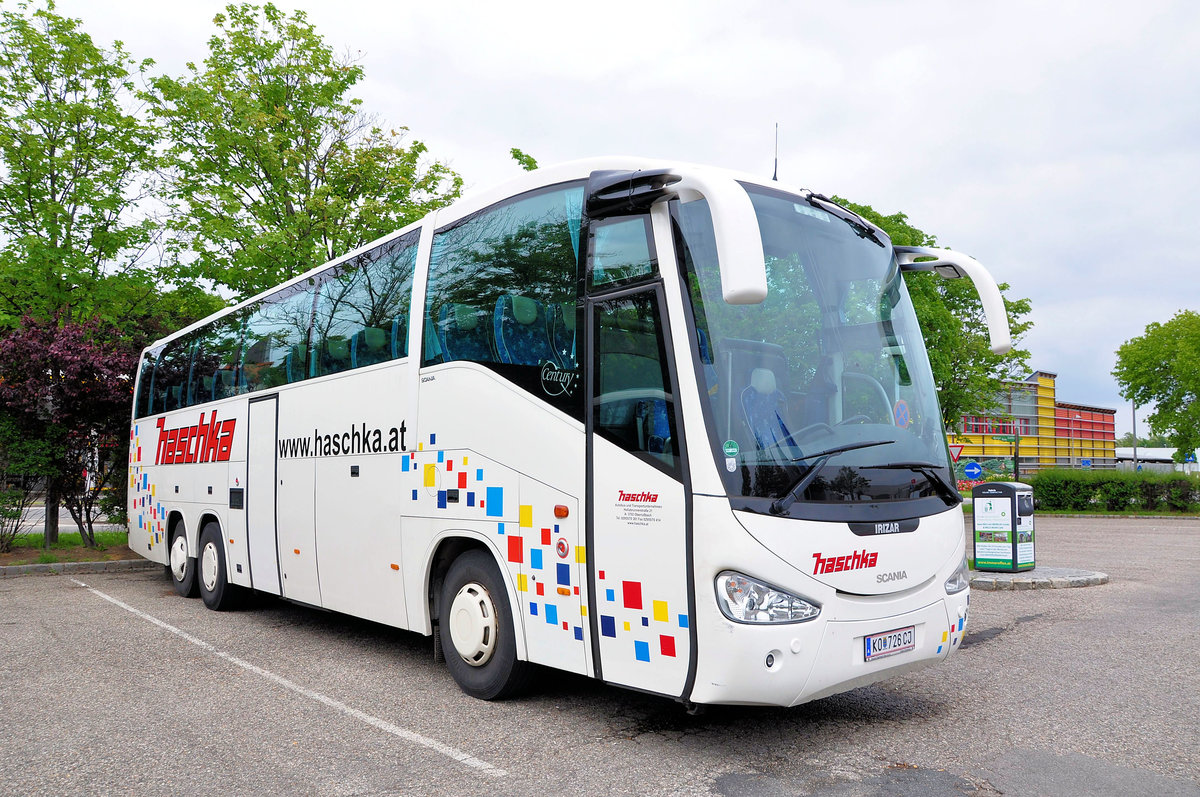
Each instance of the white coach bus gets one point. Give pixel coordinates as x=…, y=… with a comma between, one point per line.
x=663, y=425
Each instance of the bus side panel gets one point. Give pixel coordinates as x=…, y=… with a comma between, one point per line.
x=147, y=521
x=488, y=452
x=180, y=462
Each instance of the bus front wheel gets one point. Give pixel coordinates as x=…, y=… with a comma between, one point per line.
x=477, y=628
x=215, y=589
x=182, y=567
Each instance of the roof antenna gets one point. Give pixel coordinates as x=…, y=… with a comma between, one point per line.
x=775, y=176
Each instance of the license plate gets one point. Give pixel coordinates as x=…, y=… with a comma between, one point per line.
x=889, y=643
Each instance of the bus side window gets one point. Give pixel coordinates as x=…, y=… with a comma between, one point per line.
x=362, y=308
x=503, y=291
x=171, y=376
x=145, y=382
x=215, y=363
x=278, y=327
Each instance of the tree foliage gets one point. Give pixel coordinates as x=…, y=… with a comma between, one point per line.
x=274, y=167
x=526, y=162
x=968, y=374
x=74, y=161
x=1162, y=367
x=66, y=388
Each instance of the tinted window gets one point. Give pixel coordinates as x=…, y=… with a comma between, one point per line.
x=169, y=391
x=216, y=361
x=620, y=251
x=503, y=291
x=141, y=406
x=362, y=308
x=275, y=350
x=633, y=404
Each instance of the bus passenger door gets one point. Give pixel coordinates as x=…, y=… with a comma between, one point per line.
x=260, y=495
x=637, y=532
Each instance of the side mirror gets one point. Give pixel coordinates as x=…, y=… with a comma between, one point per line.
x=735, y=229
x=949, y=264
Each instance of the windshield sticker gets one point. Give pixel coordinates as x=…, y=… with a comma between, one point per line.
x=807, y=211
x=731, y=448
x=731, y=464
x=900, y=411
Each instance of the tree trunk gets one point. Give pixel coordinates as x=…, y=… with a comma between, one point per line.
x=50, y=527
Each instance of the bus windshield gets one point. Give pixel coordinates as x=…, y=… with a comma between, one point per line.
x=822, y=399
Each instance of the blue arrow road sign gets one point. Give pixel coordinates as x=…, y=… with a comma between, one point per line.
x=973, y=471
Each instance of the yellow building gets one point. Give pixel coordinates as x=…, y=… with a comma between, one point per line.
x=1034, y=428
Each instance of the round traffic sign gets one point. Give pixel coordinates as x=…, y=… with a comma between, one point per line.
x=973, y=471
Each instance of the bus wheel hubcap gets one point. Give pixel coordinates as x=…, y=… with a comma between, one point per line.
x=179, y=557
x=473, y=625
x=208, y=567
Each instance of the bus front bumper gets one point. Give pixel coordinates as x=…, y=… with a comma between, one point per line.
x=786, y=665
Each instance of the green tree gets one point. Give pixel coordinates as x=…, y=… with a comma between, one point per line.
x=526, y=162
x=1127, y=440
x=969, y=376
x=73, y=165
x=274, y=166
x=65, y=388
x=1162, y=367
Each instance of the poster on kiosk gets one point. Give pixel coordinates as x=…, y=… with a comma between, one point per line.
x=1003, y=520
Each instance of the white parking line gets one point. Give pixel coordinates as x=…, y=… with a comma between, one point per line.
x=383, y=725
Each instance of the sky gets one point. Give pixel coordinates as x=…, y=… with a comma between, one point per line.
x=1056, y=142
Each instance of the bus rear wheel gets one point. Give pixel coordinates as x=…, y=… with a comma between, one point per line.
x=215, y=589
x=182, y=567
x=477, y=628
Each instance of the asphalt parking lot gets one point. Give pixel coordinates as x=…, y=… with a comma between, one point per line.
x=112, y=684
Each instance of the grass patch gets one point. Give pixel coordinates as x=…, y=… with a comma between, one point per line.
x=27, y=549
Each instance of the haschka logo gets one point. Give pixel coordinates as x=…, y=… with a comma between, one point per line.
x=859, y=560
x=201, y=442
x=643, y=497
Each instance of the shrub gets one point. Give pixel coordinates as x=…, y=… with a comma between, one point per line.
x=1078, y=490
x=1118, y=490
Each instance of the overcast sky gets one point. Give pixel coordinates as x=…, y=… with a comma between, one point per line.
x=1058, y=143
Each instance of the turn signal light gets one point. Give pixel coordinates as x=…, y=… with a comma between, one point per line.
x=561, y=511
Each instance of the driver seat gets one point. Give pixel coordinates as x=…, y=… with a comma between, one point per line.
x=764, y=409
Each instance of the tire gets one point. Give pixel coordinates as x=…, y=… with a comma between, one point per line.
x=478, y=631
x=212, y=575
x=182, y=567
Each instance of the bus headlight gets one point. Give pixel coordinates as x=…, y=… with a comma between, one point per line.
x=747, y=600
x=960, y=580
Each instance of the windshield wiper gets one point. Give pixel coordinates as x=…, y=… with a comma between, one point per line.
x=930, y=470
x=780, y=505
x=849, y=216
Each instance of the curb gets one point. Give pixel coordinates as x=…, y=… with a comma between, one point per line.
x=63, y=568
x=1048, y=578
